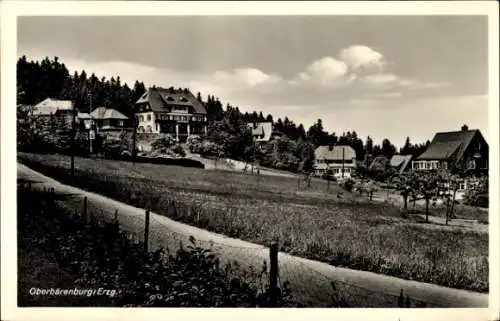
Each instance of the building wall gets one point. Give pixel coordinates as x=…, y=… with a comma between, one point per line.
x=426, y=165
x=144, y=124
x=321, y=167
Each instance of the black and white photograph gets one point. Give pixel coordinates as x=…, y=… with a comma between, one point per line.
x=252, y=161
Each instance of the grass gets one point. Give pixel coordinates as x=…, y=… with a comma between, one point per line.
x=61, y=251
x=309, y=223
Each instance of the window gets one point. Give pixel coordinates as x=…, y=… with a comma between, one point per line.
x=141, y=118
x=149, y=117
x=149, y=129
x=472, y=164
x=141, y=129
x=461, y=186
x=336, y=170
x=445, y=165
x=478, y=146
x=120, y=123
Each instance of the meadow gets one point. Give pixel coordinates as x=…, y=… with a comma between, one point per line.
x=334, y=227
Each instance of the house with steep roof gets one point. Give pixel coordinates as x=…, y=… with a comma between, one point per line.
x=171, y=111
x=261, y=131
x=341, y=160
x=463, y=150
x=401, y=163
x=84, y=120
x=53, y=107
x=109, y=119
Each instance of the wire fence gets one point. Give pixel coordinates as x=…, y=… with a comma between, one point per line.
x=312, y=284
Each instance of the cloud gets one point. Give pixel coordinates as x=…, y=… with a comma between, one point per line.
x=249, y=77
x=382, y=78
x=325, y=72
x=362, y=59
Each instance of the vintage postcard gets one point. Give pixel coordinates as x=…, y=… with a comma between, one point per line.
x=180, y=156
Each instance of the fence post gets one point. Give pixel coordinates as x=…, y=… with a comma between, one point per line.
x=401, y=299
x=146, y=232
x=85, y=209
x=273, y=275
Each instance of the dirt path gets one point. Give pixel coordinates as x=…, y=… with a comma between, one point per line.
x=309, y=280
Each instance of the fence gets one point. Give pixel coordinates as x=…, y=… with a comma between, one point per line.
x=310, y=286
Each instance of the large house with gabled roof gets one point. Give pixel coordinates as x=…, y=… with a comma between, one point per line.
x=340, y=160
x=173, y=111
x=463, y=150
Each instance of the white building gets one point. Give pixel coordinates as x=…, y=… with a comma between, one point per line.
x=341, y=160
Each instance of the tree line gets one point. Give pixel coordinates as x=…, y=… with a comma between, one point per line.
x=292, y=150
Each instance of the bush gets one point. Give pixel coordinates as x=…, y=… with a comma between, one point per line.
x=177, y=149
x=478, y=196
x=165, y=141
x=194, y=143
x=349, y=185
x=100, y=253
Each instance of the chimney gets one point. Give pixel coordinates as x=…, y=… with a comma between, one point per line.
x=465, y=128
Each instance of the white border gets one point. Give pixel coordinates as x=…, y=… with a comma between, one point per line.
x=11, y=9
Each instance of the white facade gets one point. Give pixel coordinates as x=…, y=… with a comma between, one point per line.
x=428, y=165
x=147, y=123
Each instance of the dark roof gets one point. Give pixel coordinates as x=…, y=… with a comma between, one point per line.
x=162, y=100
x=445, y=146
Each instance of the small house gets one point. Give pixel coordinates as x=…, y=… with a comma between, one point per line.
x=109, y=119
x=463, y=150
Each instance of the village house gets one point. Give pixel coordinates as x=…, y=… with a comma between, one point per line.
x=84, y=120
x=462, y=150
x=109, y=120
x=341, y=160
x=261, y=132
x=401, y=163
x=53, y=107
x=175, y=112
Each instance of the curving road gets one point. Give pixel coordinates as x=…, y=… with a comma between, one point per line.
x=310, y=280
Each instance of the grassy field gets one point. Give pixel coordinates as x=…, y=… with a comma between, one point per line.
x=309, y=222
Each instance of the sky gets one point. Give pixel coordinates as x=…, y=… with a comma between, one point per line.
x=382, y=76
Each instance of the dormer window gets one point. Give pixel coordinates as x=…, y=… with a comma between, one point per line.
x=169, y=98
x=183, y=99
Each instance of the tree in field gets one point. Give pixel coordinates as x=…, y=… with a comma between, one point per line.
x=406, y=185
x=428, y=185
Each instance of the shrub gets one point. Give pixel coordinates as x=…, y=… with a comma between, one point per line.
x=165, y=141
x=193, y=143
x=177, y=149
x=348, y=185
x=100, y=253
x=478, y=196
